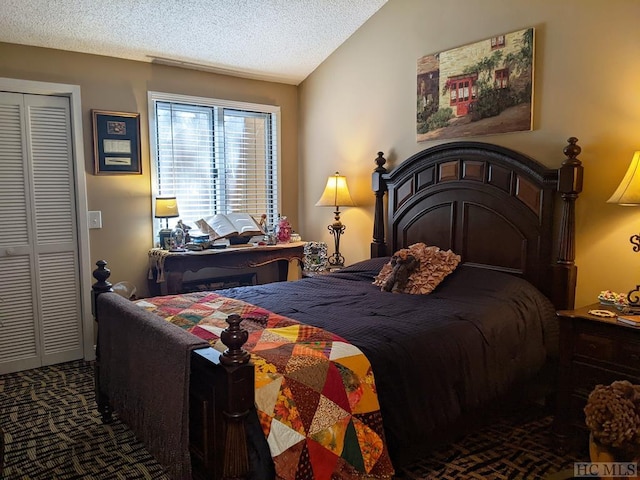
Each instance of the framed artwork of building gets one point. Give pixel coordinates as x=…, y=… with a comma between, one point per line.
x=482, y=88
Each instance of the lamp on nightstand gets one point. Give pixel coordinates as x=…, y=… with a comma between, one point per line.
x=336, y=194
x=166, y=207
x=628, y=194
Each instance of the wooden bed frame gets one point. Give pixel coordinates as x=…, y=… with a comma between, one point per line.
x=467, y=196
x=462, y=196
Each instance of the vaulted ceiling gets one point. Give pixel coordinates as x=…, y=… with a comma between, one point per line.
x=277, y=40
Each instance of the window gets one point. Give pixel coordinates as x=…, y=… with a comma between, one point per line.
x=460, y=91
x=465, y=90
x=215, y=156
x=497, y=42
x=502, y=78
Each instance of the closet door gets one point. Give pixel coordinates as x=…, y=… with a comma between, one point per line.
x=19, y=333
x=40, y=321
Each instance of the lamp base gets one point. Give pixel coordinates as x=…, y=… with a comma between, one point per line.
x=336, y=229
x=336, y=261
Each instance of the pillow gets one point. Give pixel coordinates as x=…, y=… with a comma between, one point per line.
x=372, y=265
x=434, y=265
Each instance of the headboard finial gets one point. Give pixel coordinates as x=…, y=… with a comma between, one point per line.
x=572, y=150
x=570, y=173
x=380, y=161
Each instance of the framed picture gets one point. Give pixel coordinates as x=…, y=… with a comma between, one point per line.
x=165, y=238
x=116, y=142
x=315, y=256
x=483, y=88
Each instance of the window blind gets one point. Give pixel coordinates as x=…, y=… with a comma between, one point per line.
x=216, y=158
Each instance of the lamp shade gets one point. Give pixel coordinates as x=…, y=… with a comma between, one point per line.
x=166, y=207
x=336, y=193
x=628, y=192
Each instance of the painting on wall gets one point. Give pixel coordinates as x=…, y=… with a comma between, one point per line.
x=482, y=88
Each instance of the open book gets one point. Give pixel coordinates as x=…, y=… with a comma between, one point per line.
x=229, y=225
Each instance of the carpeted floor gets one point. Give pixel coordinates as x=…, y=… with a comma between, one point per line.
x=513, y=447
x=52, y=431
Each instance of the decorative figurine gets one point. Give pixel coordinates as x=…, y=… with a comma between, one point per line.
x=284, y=230
x=264, y=225
x=186, y=238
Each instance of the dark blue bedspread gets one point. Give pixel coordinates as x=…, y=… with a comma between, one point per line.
x=435, y=357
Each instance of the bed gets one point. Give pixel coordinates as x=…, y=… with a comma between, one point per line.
x=439, y=360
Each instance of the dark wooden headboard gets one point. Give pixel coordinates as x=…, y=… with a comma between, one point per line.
x=493, y=206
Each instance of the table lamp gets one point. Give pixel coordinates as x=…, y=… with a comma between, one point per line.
x=166, y=207
x=336, y=194
x=628, y=194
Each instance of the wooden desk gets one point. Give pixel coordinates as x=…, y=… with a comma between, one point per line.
x=167, y=268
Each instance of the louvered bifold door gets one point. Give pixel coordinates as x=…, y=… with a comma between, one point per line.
x=19, y=330
x=54, y=227
x=39, y=279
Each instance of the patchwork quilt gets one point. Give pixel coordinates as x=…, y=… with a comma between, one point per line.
x=314, y=392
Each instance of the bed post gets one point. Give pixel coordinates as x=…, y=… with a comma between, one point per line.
x=241, y=395
x=102, y=285
x=378, y=246
x=569, y=185
x=221, y=400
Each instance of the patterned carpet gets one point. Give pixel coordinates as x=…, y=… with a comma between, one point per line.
x=52, y=431
x=513, y=447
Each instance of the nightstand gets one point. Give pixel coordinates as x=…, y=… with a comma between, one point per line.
x=593, y=350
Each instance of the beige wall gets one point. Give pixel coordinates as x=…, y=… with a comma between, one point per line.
x=121, y=85
x=362, y=100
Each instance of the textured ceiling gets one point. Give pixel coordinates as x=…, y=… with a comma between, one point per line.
x=279, y=40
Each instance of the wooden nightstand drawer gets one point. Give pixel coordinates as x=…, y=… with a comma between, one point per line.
x=628, y=353
x=595, y=346
x=616, y=350
x=586, y=377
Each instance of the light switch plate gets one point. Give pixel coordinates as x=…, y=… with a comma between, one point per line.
x=95, y=219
